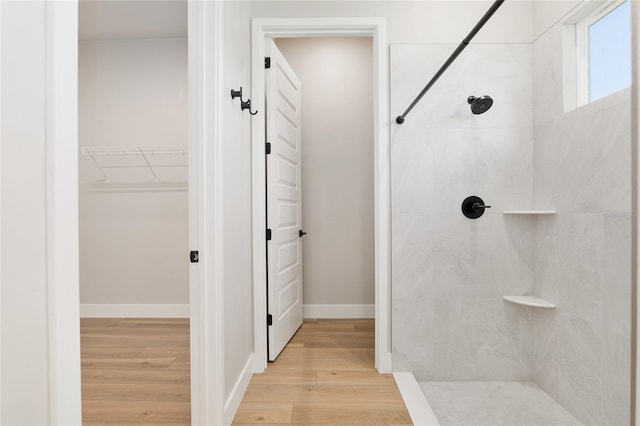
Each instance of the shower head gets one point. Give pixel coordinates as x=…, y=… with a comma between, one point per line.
x=481, y=104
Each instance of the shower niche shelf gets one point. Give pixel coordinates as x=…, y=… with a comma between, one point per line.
x=529, y=212
x=533, y=301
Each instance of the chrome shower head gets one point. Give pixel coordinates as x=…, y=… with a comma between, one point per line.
x=481, y=104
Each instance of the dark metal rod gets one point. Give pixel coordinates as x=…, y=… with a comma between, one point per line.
x=494, y=7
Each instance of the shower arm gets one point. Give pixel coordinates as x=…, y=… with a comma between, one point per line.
x=494, y=7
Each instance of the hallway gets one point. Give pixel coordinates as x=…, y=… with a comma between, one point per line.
x=325, y=375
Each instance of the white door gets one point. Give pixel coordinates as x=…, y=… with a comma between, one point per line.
x=284, y=209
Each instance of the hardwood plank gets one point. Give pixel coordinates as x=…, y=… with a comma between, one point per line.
x=322, y=393
x=136, y=392
x=339, y=342
x=99, y=322
x=157, y=321
x=180, y=365
x=133, y=342
x=155, y=412
x=365, y=327
x=109, y=352
x=260, y=413
x=323, y=353
x=285, y=376
x=349, y=413
x=264, y=424
x=178, y=353
x=325, y=326
x=125, y=376
x=126, y=362
x=120, y=423
x=322, y=364
x=318, y=332
x=349, y=377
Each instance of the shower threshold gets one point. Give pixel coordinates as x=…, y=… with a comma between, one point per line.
x=494, y=404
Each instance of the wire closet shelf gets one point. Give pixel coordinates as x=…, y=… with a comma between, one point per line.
x=139, y=165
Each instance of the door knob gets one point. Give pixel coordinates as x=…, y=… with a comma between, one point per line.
x=301, y=233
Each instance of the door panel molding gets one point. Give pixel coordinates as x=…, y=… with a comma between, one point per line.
x=284, y=199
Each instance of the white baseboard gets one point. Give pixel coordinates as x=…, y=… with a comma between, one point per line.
x=134, y=311
x=417, y=405
x=339, y=311
x=238, y=391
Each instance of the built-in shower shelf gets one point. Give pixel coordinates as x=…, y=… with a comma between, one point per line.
x=536, y=302
x=529, y=212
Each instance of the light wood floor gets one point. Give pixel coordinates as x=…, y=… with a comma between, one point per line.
x=135, y=371
x=325, y=375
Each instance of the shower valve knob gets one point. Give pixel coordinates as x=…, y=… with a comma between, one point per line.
x=473, y=207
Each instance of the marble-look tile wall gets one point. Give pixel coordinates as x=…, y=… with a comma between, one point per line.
x=582, y=168
x=449, y=272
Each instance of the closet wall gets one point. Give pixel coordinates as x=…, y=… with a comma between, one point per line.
x=133, y=231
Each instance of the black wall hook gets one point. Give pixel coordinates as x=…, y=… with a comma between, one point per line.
x=243, y=104
x=237, y=94
x=247, y=105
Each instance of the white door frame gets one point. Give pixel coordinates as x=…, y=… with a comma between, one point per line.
x=635, y=210
x=325, y=27
x=62, y=211
x=205, y=212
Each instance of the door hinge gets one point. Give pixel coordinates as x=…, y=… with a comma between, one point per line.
x=267, y=148
x=269, y=319
x=267, y=62
x=194, y=256
x=268, y=234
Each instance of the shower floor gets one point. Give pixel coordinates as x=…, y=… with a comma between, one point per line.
x=494, y=404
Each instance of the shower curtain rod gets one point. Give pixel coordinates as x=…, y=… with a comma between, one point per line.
x=454, y=55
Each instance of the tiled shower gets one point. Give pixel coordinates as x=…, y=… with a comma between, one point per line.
x=558, y=180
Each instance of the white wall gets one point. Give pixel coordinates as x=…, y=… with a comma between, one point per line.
x=132, y=19
x=40, y=344
x=25, y=397
x=547, y=13
x=134, y=238
x=236, y=152
x=417, y=21
x=337, y=167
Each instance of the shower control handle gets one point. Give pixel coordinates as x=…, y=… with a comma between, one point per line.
x=478, y=206
x=473, y=207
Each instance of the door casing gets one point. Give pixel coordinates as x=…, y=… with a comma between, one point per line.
x=325, y=27
x=205, y=216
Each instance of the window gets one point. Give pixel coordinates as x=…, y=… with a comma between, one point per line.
x=604, y=51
